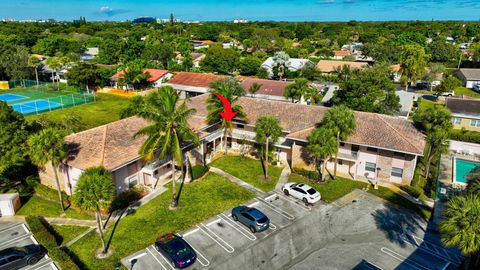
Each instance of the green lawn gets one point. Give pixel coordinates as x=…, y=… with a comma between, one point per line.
x=37, y=206
x=334, y=189
x=249, y=170
x=68, y=232
x=467, y=92
x=105, y=110
x=199, y=201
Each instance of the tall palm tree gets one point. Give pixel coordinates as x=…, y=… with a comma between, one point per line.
x=168, y=129
x=253, y=89
x=54, y=64
x=94, y=192
x=322, y=144
x=215, y=107
x=460, y=224
x=34, y=62
x=342, y=120
x=437, y=140
x=49, y=146
x=473, y=180
x=296, y=90
x=267, y=131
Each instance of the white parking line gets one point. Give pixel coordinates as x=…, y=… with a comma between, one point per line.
x=430, y=248
x=245, y=232
x=280, y=211
x=190, y=232
x=271, y=196
x=228, y=248
x=403, y=259
x=138, y=256
x=273, y=227
x=38, y=266
x=206, y=263
x=20, y=238
x=11, y=227
x=253, y=204
x=214, y=222
x=163, y=266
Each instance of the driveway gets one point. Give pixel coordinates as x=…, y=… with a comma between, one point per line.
x=14, y=234
x=359, y=231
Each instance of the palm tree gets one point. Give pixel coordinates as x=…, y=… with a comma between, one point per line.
x=34, y=62
x=54, y=64
x=322, y=144
x=168, y=129
x=342, y=121
x=267, y=131
x=254, y=88
x=215, y=106
x=49, y=146
x=296, y=90
x=460, y=224
x=437, y=140
x=94, y=192
x=473, y=180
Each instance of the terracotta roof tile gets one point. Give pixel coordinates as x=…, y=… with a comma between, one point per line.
x=193, y=79
x=268, y=87
x=155, y=74
x=331, y=65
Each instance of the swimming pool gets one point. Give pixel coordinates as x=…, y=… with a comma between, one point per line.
x=462, y=168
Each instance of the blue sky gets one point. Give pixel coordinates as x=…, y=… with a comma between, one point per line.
x=290, y=10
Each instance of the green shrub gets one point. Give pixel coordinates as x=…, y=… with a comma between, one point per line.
x=412, y=191
x=124, y=199
x=465, y=136
x=199, y=171
x=45, y=235
x=313, y=175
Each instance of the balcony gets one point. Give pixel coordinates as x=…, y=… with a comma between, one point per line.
x=349, y=156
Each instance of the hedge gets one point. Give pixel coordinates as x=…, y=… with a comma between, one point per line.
x=125, y=198
x=199, y=171
x=465, y=135
x=313, y=175
x=45, y=235
x=412, y=191
x=50, y=194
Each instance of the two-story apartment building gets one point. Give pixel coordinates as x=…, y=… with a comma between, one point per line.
x=465, y=113
x=381, y=146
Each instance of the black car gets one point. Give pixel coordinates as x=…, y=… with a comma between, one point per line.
x=18, y=257
x=177, y=250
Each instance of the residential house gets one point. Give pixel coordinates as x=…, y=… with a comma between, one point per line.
x=469, y=76
x=381, y=147
x=201, y=44
x=329, y=66
x=191, y=84
x=339, y=55
x=157, y=77
x=465, y=113
x=293, y=64
x=396, y=76
x=89, y=54
x=197, y=57
x=269, y=89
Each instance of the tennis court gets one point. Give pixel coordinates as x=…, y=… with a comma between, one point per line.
x=36, y=100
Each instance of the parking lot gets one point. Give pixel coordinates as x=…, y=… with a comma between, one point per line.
x=359, y=231
x=17, y=234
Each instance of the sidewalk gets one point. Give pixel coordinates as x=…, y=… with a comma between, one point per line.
x=283, y=177
x=71, y=221
x=236, y=180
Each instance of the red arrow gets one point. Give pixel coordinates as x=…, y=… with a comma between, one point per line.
x=227, y=114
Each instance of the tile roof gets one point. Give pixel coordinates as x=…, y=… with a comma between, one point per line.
x=342, y=53
x=372, y=129
x=471, y=74
x=463, y=106
x=331, y=65
x=193, y=79
x=112, y=145
x=268, y=87
x=155, y=74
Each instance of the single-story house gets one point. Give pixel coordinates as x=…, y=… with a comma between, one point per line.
x=293, y=64
x=465, y=113
x=191, y=84
x=269, y=89
x=396, y=76
x=201, y=44
x=469, y=76
x=339, y=55
x=157, y=77
x=329, y=66
x=381, y=147
x=89, y=54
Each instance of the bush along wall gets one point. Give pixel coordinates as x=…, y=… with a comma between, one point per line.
x=47, y=237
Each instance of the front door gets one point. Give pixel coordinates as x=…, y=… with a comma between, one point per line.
x=147, y=179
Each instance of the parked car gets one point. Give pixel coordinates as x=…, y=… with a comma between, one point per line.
x=251, y=217
x=18, y=257
x=301, y=191
x=476, y=88
x=177, y=250
x=448, y=94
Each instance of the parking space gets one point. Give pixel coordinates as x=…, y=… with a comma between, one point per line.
x=18, y=235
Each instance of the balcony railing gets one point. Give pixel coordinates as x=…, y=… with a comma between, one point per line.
x=352, y=155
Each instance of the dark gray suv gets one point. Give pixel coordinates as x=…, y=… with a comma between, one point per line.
x=253, y=218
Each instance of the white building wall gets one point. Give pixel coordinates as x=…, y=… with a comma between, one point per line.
x=363, y=157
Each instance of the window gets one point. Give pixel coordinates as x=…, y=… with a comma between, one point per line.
x=133, y=181
x=247, y=216
x=371, y=149
x=342, y=144
x=355, y=148
x=240, y=126
x=397, y=172
x=456, y=120
x=370, y=166
x=340, y=162
x=475, y=123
